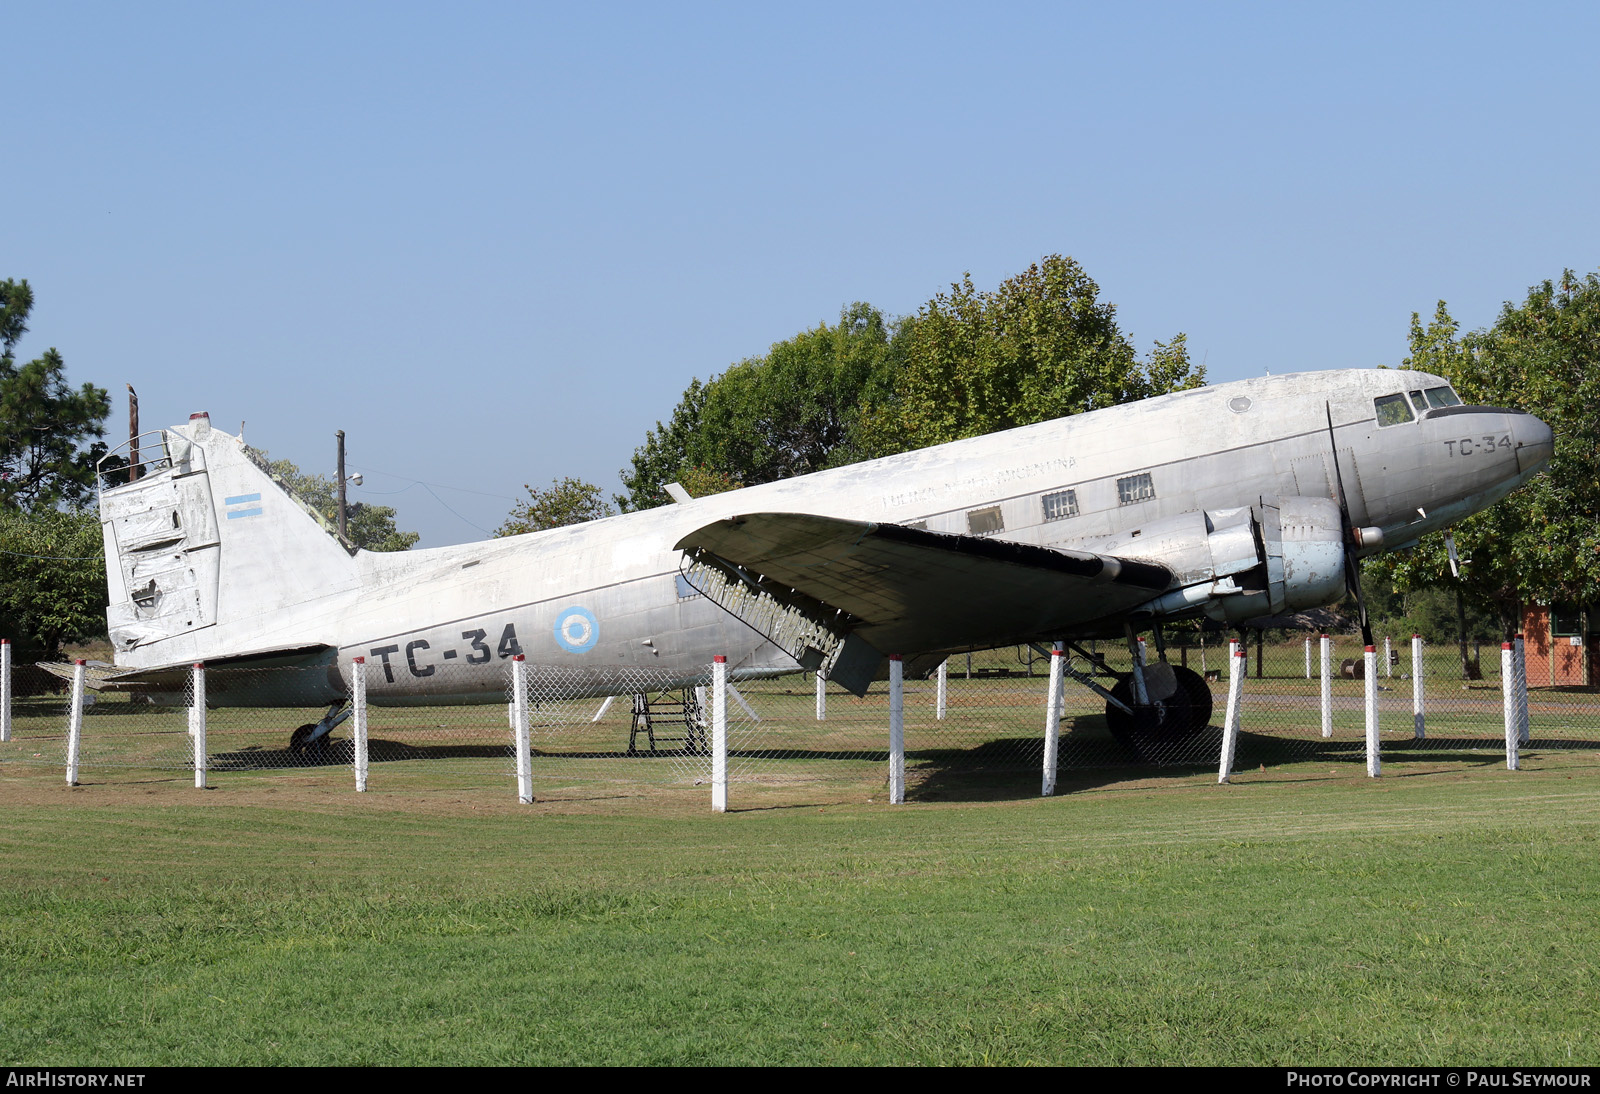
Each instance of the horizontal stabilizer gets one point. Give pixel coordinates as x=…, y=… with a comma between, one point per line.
x=305, y=676
x=101, y=676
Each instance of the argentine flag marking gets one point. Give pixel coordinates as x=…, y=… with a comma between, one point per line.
x=235, y=504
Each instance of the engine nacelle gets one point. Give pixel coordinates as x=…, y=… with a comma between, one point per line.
x=1237, y=564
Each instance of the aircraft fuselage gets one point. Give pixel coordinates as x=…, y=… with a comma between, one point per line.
x=605, y=597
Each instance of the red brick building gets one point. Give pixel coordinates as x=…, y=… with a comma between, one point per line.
x=1562, y=645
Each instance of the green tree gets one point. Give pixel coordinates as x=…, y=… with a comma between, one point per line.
x=1041, y=346
x=566, y=501
x=1430, y=612
x=52, y=570
x=700, y=481
x=789, y=412
x=370, y=527
x=48, y=431
x=794, y=410
x=1543, y=542
x=54, y=581
x=663, y=455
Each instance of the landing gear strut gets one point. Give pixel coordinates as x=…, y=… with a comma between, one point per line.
x=1176, y=703
x=315, y=734
x=1180, y=707
x=1156, y=708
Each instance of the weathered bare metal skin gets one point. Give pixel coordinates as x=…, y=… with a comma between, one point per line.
x=1226, y=491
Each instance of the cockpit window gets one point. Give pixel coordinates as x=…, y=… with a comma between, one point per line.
x=1420, y=402
x=1443, y=396
x=1392, y=410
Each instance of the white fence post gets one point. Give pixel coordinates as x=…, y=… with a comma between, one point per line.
x=358, y=719
x=1308, y=658
x=897, y=730
x=1522, y=690
x=5, y=689
x=1327, y=686
x=1230, y=724
x=197, y=722
x=519, y=721
x=719, y=734
x=75, y=724
x=822, y=698
x=1388, y=659
x=1374, y=764
x=1052, y=722
x=1508, y=698
x=1418, y=730
x=942, y=695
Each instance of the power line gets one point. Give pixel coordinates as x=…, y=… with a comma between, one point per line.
x=420, y=482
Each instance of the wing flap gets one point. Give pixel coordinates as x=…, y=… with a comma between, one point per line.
x=908, y=590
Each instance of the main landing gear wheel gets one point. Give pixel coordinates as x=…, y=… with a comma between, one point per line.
x=1199, y=692
x=1180, y=708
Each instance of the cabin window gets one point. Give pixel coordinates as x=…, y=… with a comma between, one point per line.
x=1135, y=488
x=1061, y=505
x=1392, y=410
x=985, y=522
x=1443, y=396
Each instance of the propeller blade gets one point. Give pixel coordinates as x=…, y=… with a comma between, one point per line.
x=1352, y=579
x=1352, y=566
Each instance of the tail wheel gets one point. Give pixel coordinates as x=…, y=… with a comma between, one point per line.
x=297, y=739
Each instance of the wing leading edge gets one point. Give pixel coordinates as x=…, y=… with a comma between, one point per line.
x=890, y=588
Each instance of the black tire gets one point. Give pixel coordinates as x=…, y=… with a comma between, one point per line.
x=1155, y=732
x=297, y=739
x=1201, y=704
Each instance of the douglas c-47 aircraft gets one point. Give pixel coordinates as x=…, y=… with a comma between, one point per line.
x=1234, y=502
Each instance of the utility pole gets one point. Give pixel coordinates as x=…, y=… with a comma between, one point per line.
x=342, y=535
x=133, y=434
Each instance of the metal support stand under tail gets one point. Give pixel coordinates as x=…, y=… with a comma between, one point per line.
x=668, y=724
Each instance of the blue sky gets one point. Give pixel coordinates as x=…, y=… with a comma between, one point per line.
x=494, y=242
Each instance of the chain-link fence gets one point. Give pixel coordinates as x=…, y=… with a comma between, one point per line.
x=256, y=719
x=653, y=730
x=975, y=728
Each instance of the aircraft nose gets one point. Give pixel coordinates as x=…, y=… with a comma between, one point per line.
x=1536, y=442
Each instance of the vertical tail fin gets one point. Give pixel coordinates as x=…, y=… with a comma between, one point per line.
x=208, y=556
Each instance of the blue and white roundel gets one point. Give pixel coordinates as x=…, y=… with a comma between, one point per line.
x=576, y=630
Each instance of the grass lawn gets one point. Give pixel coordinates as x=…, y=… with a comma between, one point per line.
x=1444, y=914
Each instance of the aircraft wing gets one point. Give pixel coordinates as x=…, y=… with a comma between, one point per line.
x=907, y=590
